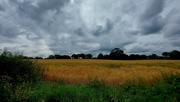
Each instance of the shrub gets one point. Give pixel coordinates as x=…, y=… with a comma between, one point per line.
x=19, y=70
x=5, y=89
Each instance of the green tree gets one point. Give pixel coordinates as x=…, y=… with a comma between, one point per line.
x=100, y=56
x=88, y=56
x=166, y=54
x=74, y=56
x=116, y=53
x=175, y=54
x=82, y=55
x=51, y=57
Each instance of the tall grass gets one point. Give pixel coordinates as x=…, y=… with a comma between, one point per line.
x=95, y=91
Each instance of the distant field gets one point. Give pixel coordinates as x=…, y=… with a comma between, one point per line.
x=112, y=72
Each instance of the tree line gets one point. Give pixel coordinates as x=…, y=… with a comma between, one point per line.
x=116, y=54
x=74, y=56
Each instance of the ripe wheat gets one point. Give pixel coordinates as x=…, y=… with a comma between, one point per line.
x=113, y=72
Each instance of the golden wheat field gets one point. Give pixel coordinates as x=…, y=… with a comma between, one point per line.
x=112, y=72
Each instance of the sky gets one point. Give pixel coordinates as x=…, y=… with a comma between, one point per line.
x=48, y=27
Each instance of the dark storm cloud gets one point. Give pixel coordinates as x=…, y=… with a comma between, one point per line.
x=139, y=50
x=79, y=32
x=9, y=30
x=154, y=8
x=103, y=29
x=36, y=12
x=152, y=25
x=176, y=43
x=172, y=31
x=1, y=8
x=151, y=20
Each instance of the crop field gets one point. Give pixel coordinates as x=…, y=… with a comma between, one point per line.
x=88, y=80
x=112, y=72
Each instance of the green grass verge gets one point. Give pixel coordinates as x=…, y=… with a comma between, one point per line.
x=165, y=90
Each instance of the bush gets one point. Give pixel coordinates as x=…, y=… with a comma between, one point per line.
x=5, y=89
x=19, y=70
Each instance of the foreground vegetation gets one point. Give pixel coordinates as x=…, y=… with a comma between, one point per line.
x=165, y=90
x=27, y=81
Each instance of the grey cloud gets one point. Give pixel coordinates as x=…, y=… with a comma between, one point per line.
x=97, y=26
x=151, y=21
x=129, y=7
x=6, y=40
x=109, y=25
x=51, y=4
x=172, y=31
x=103, y=29
x=133, y=32
x=27, y=9
x=147, y=48
x=98, y=30
x=115, y=41
x=1, y=8
x=25, y=46
x=176, y=43
x=139, y=50
x=152, y=25
x=32, y=37
x=9, y=31
x=79, y=32
x=154, y=8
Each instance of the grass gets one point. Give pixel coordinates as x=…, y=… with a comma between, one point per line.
x=108, y=71
x=165, y=90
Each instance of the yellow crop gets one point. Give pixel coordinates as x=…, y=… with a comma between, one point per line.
x=113, y=72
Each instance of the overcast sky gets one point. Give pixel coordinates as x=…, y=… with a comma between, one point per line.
x=45, y=27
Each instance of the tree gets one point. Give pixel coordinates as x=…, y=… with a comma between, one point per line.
x=153, y=56
x=74, y=56
x=166, y=54
x=106, y=56
x=116, y=53
x=88, y=56
x=143, y=56
x=175, y=54
x=38, y=57
x=134, y=57
x=56, y=56
x=100, y=56
x=82, y=55
x=50, y=57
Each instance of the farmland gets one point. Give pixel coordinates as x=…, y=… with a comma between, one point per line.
x=112, y=72
x=45, y=80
